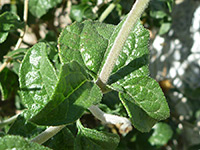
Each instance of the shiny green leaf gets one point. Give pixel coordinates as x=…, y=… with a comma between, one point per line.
x=139, y=118
x=147, y=94
x=36, y=80
x=86, y=43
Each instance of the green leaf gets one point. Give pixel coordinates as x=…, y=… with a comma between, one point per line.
x=158, y=14
x=73, y=94
x=88, y=139
x=8, y=87
x=139, y=118
x=161, y=135
x=8, y=21
x=36, y=81
x=16, y=142
x=86, y=43
x=63, y=140
x=164, y=28
x=77, y=12
x=40, y=7
x=147, y=94
x=82, y=11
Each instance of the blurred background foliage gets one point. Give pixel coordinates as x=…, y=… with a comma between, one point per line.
x=174, y=27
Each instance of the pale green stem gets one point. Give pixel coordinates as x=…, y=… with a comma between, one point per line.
x=108, y=10
x=47, y=134
x=25, y=20
x=125, y=124
x=8, y=121
x=128, y=25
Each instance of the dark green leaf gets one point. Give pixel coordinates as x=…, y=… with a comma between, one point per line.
x=147, y=94
x=139, y=118
x=88, y=139
x=40, y=7
x=63, y=140
x=161, y=135
x=8, y=20
x=24, y=128
x=8, y=83
x=73, y=94
x=16, y=142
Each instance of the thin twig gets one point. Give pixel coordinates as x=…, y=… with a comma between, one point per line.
x=9, y=121
x=108, y=10
x=99, y=5
x=47, y=134
x=129, y=23
x=22, y=33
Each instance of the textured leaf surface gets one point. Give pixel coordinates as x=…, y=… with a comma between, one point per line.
x=73, y=94
x=16, y=142
x=36, y=84
x=63, y=140
x=8, y=20
x=8, y=87
x=161, y=135
x=40, y=7
x=139, y=118
x=88, y=139
x=86, y=43
x=147, y=94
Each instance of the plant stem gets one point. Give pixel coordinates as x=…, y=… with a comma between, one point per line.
x=123, y=123
x=9, y=121
x=108, y=10
x=25, y=20
x=47, y=134
x=129, y=23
